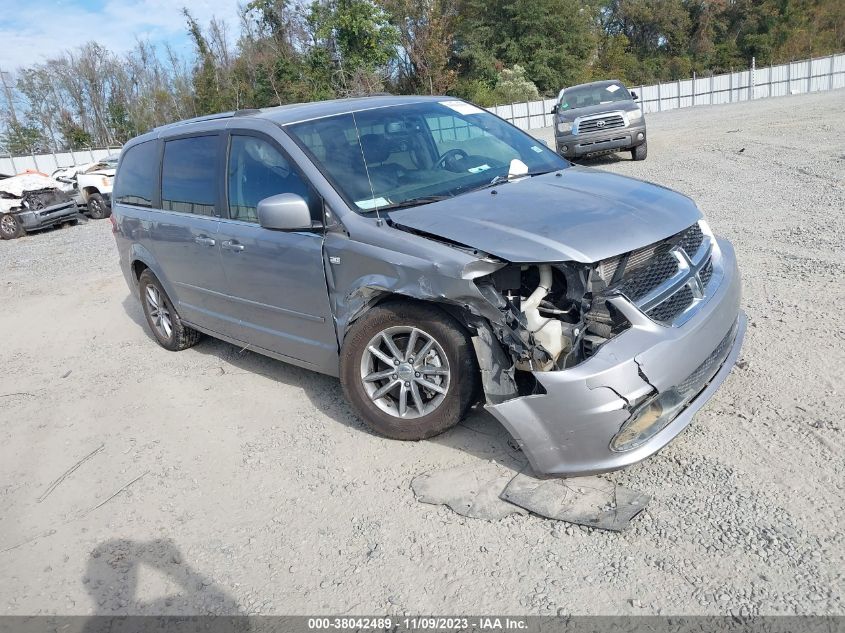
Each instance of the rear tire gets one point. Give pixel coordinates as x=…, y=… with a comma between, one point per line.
x=162, y=318
x=97, y=207
x=10, y=227
x=439, y=385
x=640, y=151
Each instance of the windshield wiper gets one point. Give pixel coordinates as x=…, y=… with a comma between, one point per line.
x=504, y=178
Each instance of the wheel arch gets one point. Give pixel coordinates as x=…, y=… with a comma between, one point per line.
x=88, y=191
x=141, y=259
x=468, y=324
x=378, y=298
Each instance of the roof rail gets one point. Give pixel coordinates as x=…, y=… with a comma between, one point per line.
x=210, y=117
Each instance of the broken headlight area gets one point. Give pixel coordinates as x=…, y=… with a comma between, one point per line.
x=655, y=411
x=552, y=318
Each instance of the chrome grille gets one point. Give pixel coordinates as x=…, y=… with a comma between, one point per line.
x=664, y=280
x=636, y=259
x=691, y=239
x=673, y=306
x=599, y=124
x=641, y=282
x=706, y=273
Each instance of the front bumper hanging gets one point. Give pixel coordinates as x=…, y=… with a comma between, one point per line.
x=637, y=393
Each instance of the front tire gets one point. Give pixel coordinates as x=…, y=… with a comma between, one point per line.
x=162, y=318
x=98, y=209
x=10, y=227
x=640, y=151
x=408, y=370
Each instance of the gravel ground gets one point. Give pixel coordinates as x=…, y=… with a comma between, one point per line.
x=261, y=492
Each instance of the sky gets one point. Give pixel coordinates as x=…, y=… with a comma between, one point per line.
x=34, y=31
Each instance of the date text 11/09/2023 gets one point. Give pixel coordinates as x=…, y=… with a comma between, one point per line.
x=429, y=623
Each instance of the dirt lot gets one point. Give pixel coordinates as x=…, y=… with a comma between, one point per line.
x=261, y=492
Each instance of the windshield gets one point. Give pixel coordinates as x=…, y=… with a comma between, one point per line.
x=413, y=154
x=586, y=96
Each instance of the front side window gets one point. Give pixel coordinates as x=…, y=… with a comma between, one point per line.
x=413, y=154
x=258, y=170
x=136, y=179
x=188, y=175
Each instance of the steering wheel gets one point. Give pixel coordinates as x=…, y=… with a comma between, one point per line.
x=450, y=155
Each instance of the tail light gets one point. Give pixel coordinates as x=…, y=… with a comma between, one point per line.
x=113, y=223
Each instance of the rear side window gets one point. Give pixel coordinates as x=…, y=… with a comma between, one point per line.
x=188, y=175
x=136, y=179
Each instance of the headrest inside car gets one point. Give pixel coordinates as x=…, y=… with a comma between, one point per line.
x=376, y=149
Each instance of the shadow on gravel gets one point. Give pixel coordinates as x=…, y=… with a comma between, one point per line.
x=132, y=307
x=479, y=434
x=114, y=579
x=607, y=159
x=482, y=436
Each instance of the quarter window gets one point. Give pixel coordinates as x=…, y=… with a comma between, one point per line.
x=258, y=170
x=188, y=182
x=136, y=179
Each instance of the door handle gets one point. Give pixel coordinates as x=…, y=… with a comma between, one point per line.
x=205, y=241
x=232, y=245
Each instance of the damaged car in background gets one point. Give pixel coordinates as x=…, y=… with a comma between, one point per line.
x=433, y=257
x=90, y=185
x=31, y=202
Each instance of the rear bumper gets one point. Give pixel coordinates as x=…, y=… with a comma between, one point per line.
x=568, y=430
x=573, y=145
x=43, y=218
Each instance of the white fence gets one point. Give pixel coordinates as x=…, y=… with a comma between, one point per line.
x=48, y=163
x=809, y=75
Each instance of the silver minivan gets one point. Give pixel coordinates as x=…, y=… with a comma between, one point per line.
x=434, y=257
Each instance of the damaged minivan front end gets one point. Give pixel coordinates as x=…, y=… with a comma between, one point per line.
x=590, y=366
x=617, y=362
x=602, y=311
x=593, y=365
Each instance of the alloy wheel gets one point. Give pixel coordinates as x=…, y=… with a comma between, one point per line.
x=8, y=225
x=158, y=313
x=405, y=372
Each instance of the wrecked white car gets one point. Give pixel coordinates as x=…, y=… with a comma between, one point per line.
x=95, y=187
x=31, y=202
x=433, y=256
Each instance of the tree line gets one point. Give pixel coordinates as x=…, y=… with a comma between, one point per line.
x=487, y=51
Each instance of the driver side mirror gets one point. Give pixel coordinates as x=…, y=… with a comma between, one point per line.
x=284, y=212
x=555, y=109
x=634, y=95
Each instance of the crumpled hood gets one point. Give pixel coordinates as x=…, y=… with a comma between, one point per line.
x=16, y=185
x=583, y=215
